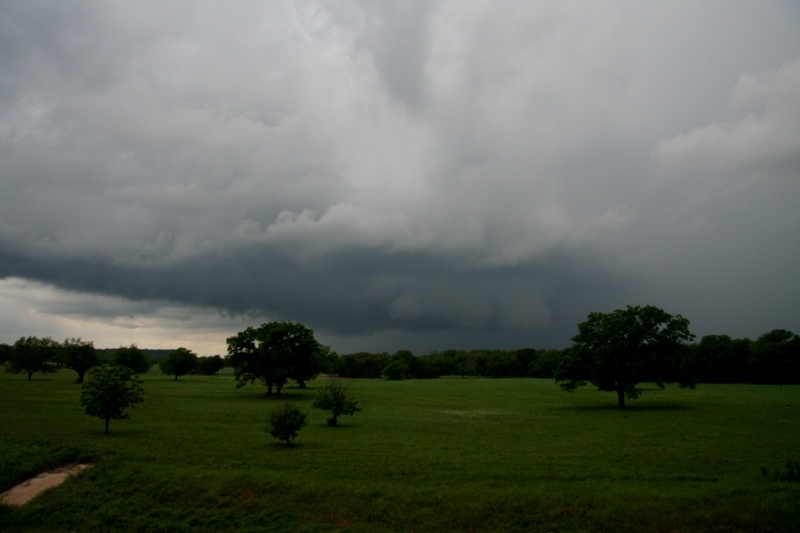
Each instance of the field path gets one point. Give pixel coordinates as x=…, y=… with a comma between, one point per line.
x=27, y=490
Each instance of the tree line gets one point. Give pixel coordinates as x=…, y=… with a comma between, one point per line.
x=772, y=358
x=526, y=362
x=44, y=355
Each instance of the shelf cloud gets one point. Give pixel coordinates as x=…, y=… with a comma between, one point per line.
x=416, y=175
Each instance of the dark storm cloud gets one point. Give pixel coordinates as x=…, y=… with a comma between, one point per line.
x=420, y=174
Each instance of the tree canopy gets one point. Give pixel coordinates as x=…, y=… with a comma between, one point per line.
x=275, y=353
x=775, y=358
x=79, y=355
x=210, y=365
x=110, y=390
x=285, y=422
x=5, y=352
x=616, y=351
x=333, y=397
x=34, y=354
x=133, y=358
x=179, y=362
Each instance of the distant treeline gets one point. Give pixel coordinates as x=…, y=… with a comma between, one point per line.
x=527, y=362
x=156, y=356
x=773, y=358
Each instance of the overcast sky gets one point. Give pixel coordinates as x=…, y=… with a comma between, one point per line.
x=414, y=175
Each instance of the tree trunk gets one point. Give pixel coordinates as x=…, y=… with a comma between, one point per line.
x=107, y=419
x=29, y=375
x=176, y=377
x=621, y=396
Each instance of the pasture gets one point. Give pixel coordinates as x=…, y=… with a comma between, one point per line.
x=423, y=455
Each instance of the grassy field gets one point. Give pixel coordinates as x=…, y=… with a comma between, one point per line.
x=448, y=454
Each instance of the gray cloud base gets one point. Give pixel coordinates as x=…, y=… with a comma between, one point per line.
x=439, y=173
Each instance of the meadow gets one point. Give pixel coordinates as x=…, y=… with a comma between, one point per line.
x=423, y=455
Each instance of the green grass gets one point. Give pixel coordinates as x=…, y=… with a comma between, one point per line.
x=450, y=454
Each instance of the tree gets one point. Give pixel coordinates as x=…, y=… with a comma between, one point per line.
x=210, y=365
x=544, y=364
x=363, y=365
x=275, y=353
x=616, y=351
x=5, y=352
x=179, y=362
x=525, y=357
x=395, y=370
x=79, y=356
x=110, y=390
x=775, y=358
x=330, y=363
x=333, y=397
x=285, y=422
x=32, y=354
x=133, y=358
x=720, y=359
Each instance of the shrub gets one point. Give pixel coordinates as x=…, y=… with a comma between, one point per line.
x=285, y=422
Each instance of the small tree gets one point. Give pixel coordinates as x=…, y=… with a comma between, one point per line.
x=133, y=358
x=80, y=356
x=110, y=390
x=32, y=354
x=179, y=362
x=333, y=397
x=285, y=422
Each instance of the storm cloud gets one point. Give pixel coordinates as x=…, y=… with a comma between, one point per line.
x=418, y=175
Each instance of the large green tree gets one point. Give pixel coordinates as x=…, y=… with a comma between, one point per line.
x=34, y=354
x=616, y=351
x=79, y=356
x=274, y=353
x=179, y=362
x=109, y=390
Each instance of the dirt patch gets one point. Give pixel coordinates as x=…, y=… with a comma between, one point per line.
x=27, y=490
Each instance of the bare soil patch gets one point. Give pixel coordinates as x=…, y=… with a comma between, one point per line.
x=27, y=490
